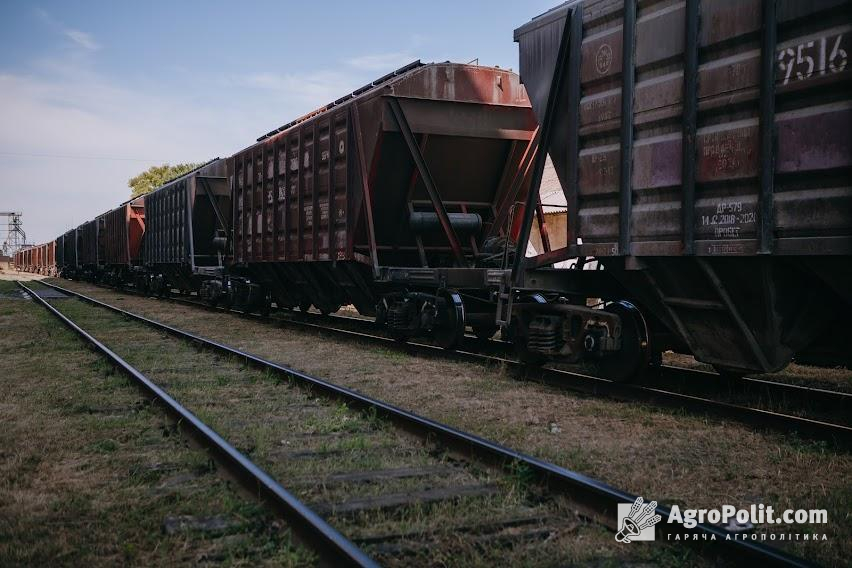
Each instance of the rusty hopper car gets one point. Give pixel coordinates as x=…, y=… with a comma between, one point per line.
x=123, y=230
x=704, y=149
x=47, y=259
x=20, y=260
x=39, y=254
x=386, y=199
x=32, y=259
x=186, y=226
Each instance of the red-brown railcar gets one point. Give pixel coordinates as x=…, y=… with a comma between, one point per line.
x=123, y=229
x=387, y=198
x=47, y=259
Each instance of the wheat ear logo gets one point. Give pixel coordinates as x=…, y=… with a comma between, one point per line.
x=634, y=522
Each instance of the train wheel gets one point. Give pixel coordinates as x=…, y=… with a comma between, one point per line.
x=631, y=362
x=450, y=330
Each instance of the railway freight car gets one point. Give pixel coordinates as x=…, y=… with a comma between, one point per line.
x=123, y=229
x=185, y=231
x=705, y=151
x=34, y=260
x=59, y=247
x=90, y=248
x=47, y=259
x=67, y=261
x=390, y=198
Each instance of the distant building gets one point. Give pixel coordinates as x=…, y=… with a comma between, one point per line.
x=555, y=218
x=555, y=211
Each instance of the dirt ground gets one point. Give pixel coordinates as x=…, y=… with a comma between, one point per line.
x=8, y=273
x=677, y=458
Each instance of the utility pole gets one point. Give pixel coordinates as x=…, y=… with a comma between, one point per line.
x=16, y=238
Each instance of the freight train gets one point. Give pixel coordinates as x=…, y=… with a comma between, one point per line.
x=704, y=149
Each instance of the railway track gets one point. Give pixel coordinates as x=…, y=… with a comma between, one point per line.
x=516, y=497
x=665, y=377
x=788, y=408
x=310, y=526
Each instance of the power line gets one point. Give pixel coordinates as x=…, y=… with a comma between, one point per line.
x=70, y=157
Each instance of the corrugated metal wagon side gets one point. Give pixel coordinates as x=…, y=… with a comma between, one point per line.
x=69, y=266
x=705, y=151
x=38, y=259
x=400, y=183
x=186, y=226
x=59, y=247
x=91, y=244
x=124, y=227
x=48, y=263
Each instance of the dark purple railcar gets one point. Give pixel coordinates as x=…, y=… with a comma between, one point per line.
x=186, y=222
x=704, y=149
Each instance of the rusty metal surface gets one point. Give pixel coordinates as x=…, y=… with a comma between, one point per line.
x=299, y=193
x=323, y=202
x=124, y=227
x=813, y=122
x=768, y=166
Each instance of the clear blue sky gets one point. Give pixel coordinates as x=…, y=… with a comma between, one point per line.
x=94, y=92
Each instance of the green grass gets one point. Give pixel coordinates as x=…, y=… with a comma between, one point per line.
x=84, y=456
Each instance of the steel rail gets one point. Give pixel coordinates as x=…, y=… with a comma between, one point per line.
x=668, y=373
x=322, y=537
x=596, y=498
x=589, y=384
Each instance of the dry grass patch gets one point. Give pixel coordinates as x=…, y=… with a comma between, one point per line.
x=685, y=458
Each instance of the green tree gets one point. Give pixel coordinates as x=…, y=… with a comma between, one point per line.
x=155, y=176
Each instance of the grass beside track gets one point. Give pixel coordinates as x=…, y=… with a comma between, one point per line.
x=91, y=474
x=690, y=460
x=273, y=422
